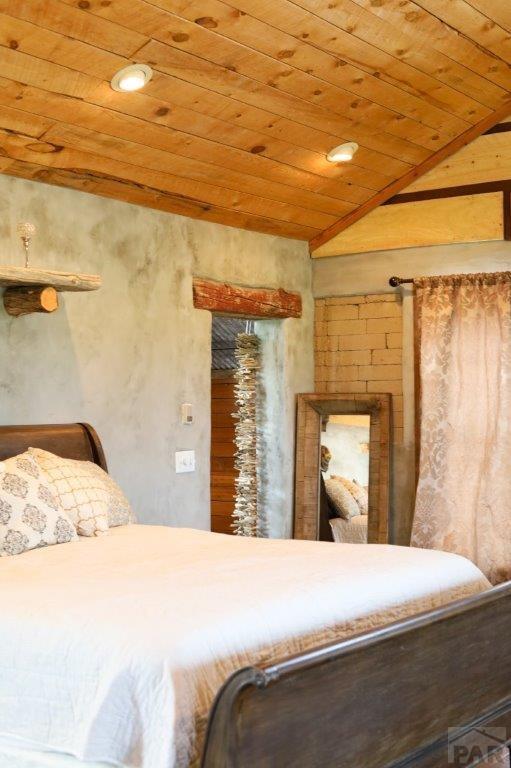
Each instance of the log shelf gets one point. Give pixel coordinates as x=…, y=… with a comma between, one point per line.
x=36, y=290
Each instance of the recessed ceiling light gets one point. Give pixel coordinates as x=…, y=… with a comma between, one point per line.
x=343, y=153
x=131, y=78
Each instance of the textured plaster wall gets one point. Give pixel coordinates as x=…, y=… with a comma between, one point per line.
x=125, y=357
x=369, y=273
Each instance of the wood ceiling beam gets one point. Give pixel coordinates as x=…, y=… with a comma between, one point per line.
x=87, y=154
x=120, y=189
x=396, y=186
x=226, y=298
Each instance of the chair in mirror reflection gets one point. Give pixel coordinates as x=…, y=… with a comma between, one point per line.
x=342, y=468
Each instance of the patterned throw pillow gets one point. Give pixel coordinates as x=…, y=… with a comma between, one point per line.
x=362, y=497
x=357, y=491
x=341, y=498
x=92, y=500
x=30, y=513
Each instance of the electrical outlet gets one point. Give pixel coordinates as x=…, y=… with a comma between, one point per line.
x=185, y=461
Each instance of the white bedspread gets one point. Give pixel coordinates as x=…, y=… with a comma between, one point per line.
x=111, y=649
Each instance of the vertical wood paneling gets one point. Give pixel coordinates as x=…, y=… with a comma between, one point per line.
x=222, y=453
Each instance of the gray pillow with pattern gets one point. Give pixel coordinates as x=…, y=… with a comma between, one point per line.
x=30, y=513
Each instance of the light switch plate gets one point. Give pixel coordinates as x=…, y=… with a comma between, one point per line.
x=185, y=461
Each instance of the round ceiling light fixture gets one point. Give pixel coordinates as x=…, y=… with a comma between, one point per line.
x=131, y=78
x=343, y=153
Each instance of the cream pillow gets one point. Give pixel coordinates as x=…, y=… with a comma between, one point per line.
x=90, y=497
x=30, y=513
x=344, y=503
x=357, y=491
x=361, y=496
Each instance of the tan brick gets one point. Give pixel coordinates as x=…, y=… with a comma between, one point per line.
x=397, y=403
x=331, y=343
x=385, y=325
x=354, y=357
x=320, y=358
x=394, y=387
x=387, y=357
x=319, y=314
x=320, y=372
x=342, y=373
x=321, y=386
x=380, y=372
x=380, y=309
x=395, y=340
x=397, y=419
x=362, y=341
x=320, y=342
x=345, y=327
x=332, y=357
x=347, y=387
x=320, y=329
x=346, y=312
x=320, y=302
x=338, y=301
x=372, y=297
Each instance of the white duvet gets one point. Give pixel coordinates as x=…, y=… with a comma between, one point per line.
x=112, y=649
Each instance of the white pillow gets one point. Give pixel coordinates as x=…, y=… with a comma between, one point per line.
x=344, y=503
x=30, y=513
x=90, y=497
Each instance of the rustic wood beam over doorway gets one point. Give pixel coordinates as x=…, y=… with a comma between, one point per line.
x=225, y=298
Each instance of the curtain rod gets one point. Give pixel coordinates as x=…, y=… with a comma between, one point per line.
x=397, y=281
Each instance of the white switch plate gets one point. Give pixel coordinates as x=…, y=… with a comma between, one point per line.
x=185, y=461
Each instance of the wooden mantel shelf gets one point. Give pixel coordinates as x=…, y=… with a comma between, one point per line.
x=36, y=290
x=61, y=281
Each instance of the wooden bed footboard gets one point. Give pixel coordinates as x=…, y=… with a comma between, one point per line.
x=433, y=690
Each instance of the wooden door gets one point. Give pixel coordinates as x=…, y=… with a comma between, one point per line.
x=222, y=451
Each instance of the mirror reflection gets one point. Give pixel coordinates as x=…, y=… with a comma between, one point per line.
x=344, y=475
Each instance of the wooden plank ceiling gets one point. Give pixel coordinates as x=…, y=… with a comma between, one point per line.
x=246, y=99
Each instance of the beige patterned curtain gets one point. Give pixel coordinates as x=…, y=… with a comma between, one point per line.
x=463, y=505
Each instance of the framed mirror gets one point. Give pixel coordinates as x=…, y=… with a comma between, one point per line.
x=342, y=484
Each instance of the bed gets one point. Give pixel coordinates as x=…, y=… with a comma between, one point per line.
x=352, y=531
x=159, y=648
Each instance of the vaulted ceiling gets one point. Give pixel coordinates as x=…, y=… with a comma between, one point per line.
x=247, y=98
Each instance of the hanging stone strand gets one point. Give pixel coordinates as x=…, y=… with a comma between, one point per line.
x=247, y=352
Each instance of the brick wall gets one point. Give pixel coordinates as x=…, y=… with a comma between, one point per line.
x=359, y=346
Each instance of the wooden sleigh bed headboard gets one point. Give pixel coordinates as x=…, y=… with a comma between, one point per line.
x=71, y=441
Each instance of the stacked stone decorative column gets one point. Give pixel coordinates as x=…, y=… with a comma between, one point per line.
x=245, y=515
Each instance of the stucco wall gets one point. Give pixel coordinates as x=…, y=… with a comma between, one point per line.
x=369, y=273
x=125, y=357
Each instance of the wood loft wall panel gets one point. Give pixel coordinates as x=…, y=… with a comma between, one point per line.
x=486, y=159
x=463, y=219
x=247, y=98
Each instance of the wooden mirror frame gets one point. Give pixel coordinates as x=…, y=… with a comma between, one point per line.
x=310, y=409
